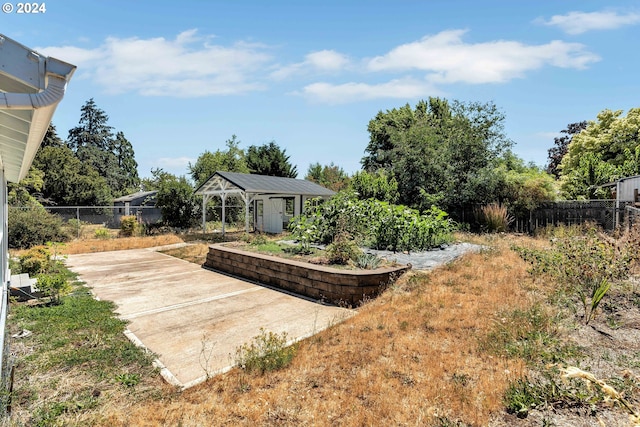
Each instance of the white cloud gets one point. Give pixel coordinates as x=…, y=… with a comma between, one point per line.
x=174, y=162
x=320, y=61
x=405, y=88
x=447, y=59
x=581, y=22
x=188, y=66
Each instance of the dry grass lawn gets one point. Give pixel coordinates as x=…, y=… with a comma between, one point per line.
x=117, y=244
x=410, y=357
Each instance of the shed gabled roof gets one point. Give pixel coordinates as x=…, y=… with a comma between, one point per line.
x=260, y=184
x=134, y=196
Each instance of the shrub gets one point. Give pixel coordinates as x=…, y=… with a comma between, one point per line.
x=35, y=261
x=266, y=352
x=494, y=218
x=54, y=286
x=102, y=233
x=129, y=226
x=342, y=250
x=34, y=226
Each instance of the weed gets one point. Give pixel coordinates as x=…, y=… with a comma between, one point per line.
x=584, y=265
x=205, y=355
x=128, y=379
x=266, y=352
x=530, y=334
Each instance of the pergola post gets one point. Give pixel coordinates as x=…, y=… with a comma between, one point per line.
x=205, y=200
x=223, y=196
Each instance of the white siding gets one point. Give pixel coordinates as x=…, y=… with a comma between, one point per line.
x=626, y=187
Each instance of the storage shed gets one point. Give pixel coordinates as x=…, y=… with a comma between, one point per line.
x=274, y=200
x=141, y=204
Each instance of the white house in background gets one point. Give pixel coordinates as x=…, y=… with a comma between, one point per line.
x=275, y=200
x=31, y=86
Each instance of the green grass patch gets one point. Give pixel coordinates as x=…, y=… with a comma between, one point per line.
x=78, y=335
x=80, y=330
x=530, y=334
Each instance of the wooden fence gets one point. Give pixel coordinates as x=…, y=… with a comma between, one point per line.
x=609, y=214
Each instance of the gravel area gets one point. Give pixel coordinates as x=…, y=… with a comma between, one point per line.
x=427, y=260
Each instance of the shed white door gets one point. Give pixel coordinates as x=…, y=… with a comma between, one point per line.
x=273, y=216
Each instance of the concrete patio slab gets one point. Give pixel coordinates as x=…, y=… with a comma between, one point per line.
x=194, y=319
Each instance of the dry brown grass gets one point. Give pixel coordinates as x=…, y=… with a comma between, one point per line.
x=117, y=244
x=195, y=252
x=410, y=357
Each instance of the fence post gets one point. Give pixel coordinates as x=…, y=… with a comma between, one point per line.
x=78, y=219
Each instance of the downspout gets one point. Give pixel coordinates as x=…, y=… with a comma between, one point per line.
x=32, y=101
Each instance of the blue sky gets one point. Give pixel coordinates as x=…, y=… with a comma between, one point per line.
x=179, y=78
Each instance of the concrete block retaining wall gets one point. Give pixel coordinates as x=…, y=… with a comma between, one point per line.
x=337, y=286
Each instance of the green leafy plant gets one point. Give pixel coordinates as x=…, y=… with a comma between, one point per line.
x=266, y=352
x=372, y=223
x=342, y=250
x=128, y=379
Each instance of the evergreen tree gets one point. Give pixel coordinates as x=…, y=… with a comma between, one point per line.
x=92, y=130
x=93, y=143
x=270, y=159
x=123, y=150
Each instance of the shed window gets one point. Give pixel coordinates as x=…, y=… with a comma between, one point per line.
x=289, y=204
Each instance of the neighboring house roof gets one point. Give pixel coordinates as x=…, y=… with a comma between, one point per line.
x=31, y=86
x=260, y=184
x=131, y=197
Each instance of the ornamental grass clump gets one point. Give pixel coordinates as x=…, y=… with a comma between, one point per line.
x=494, y=218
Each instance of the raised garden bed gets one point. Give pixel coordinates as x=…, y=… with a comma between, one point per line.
x=337, y=286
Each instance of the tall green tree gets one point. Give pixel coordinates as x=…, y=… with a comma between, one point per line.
x=51, y=138
x=269, y=159
x=436, y=150
x=561, y=146
x=606, y=150
x=175, y=199
x=329, y=176
x=92, y=130
x=230, y=160
x=375, y=185
x=93, y=143
x=68, y=181
x=127, y=165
